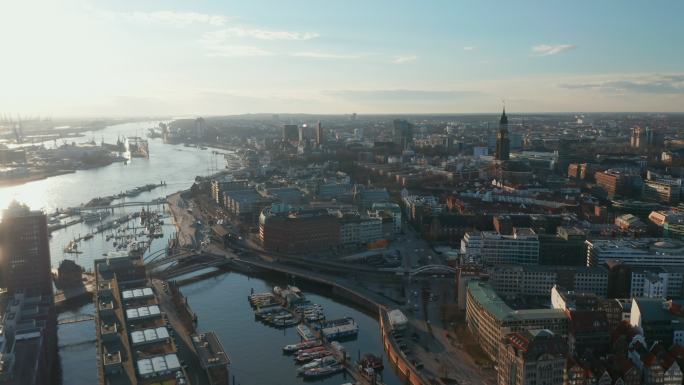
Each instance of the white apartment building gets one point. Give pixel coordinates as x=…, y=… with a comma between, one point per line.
x=657, y=282
x=471, y=247
x=520, y=248
x=360, y=230
x=515, y=280
x=639, y=252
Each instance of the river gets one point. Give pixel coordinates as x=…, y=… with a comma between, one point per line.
x=220, y=303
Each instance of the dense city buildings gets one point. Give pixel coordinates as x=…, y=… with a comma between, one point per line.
x=555, y=232
x=559, y=227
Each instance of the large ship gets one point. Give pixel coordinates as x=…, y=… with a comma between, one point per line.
x=138, y=147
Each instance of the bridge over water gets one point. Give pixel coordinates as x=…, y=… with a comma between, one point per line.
x=116, y=205
x=172, y=263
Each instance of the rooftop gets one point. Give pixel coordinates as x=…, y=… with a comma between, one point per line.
x=140, y=337
x=142, y=312
x=158, y=366
x=653, y=309
x=210, y=350
x=487, y=297
x=137, y=293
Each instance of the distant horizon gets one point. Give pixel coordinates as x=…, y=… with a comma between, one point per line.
x=388, y=114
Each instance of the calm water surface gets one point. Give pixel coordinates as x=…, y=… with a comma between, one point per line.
x=254, y=348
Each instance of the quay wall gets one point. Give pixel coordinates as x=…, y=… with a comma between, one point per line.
x=394, y=356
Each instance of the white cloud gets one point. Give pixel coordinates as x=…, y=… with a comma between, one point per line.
x=236, y=51
x=217, y=44
x=649, y=83
x=469, y=48
x=264, y=34
x=404, y=59
x=223, y=42
x=548, y=49
x=170, y=18
x=324, y=55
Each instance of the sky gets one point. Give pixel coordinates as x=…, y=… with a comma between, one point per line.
x=66, y=58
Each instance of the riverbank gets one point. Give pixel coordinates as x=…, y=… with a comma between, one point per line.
x=33, y=177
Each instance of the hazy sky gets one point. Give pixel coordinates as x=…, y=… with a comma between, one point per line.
x=172, y=57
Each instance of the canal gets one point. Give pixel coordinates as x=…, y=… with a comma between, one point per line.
x=220, y=303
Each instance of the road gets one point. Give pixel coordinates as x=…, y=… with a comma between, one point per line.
x=184, y=220
x=437, y=348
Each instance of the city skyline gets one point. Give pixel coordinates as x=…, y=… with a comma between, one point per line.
x=94, y=58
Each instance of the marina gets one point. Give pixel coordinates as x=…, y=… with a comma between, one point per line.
x=285, y=308
x=319, y=354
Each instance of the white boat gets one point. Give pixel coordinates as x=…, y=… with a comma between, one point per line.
x=323, y=361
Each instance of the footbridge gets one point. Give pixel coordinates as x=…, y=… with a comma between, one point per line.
x=167, y=264
x=433, y=269
x=116, y=205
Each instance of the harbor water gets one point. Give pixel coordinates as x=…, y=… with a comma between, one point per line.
x=256, y=349
x=220, y=302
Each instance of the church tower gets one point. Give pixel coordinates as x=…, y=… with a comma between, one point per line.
x=503, y=143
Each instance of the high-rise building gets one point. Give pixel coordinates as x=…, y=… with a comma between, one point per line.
x=319, y=134
x=28, y=342
x=290, y=132
x=645, y=137
x=200, y=127
x=25, y=251
x=503, y=143
x=302, y=133
x=402, y=134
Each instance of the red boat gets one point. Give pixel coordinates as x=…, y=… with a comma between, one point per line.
x=311, y=350
x=371, y=361
x=306, y=357
x=293, y=348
